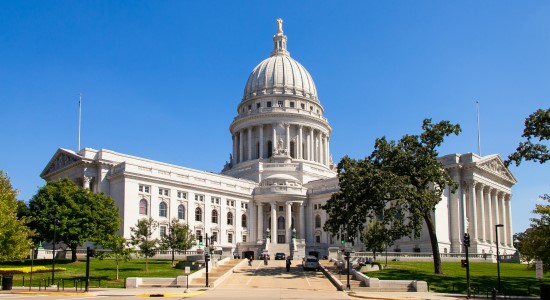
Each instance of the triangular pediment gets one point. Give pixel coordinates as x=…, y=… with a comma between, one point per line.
x=61, y=159
x=494, y=165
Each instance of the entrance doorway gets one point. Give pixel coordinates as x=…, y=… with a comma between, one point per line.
x=281, y=239
x=248, y=254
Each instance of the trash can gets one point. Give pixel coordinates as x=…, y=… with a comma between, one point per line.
x=545, y=291
x=7, y=282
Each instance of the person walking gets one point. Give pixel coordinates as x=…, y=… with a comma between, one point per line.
x=265, y=259
x=288, y=264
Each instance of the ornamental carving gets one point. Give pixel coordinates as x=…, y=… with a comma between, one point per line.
x=61, y=161
x=494, y=166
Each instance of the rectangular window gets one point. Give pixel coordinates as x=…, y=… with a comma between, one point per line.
x=258, y=105
x=199, y=197
x=230, y=202
x=214, y=237
x=162, y=231
x=230, y=238
x=164, y=192
x=198, y=235
x=182, y=195
x=302, y=105
x=215, y=200
x=281, y=103
x=268, y=103
x=292, y=104
x=144, y=188
x=244, y=238
x=318, y=239
x=281, y=208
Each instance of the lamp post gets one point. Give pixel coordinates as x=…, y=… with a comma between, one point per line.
x=498, y=256
x=55, y=223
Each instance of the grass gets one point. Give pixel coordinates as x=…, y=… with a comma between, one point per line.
x=101, y=271
x=515, y=279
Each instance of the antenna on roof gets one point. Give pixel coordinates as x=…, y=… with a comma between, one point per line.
x=79, y=120
x=478, y=131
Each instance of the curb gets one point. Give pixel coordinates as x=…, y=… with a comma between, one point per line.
x=353, y=294
x=171, y=295
x=56, y=293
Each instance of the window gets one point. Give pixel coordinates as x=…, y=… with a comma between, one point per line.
x=198, y=235
x=281, y=208
x=229, y=218
x=215, y=200
x=281, y=223
x=162, y=209
x=268, y=104
x=317, y=221
x=182, y=195
x=144, y=189
x=214, y=216
x=181, y=212
x=198, y=214
x=250, y=107
x=311, y=108
x=243, y=220
x=302, y=105
x=230, y=238
x=292, y=149
x=244, y=205
x=292, y=104
x=143, y=207
x=214, y=238
x=318, y=239
x=258, y=105
x=244, y=238
x=162, y=231
x=269, y=148
x=230, y=202
x=199, y=197
x=164, y=192
x=281, y=103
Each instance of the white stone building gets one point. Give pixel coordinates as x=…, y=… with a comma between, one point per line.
x=279, y=175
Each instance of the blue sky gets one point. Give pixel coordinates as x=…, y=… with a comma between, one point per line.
x=162, y=79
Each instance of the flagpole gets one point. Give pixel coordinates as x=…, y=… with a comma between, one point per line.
x=79, y=119
x=478, y=131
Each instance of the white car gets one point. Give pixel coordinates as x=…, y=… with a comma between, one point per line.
x=311, y=263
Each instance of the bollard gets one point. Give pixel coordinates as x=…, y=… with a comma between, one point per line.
x=23, y=280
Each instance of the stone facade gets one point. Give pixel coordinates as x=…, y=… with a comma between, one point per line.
x=279, y=175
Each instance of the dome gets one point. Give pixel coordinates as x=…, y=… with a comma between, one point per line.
x=280, y=74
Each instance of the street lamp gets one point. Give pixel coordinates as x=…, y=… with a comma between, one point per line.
x=55, y=223
x=498, y=256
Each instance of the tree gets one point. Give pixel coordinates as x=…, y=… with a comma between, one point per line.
x=534, y=242
x=402, y=180
x=15, y=236
x=120, y=250
x=142, y=237
x=375, y=237
x=179, y=238
x=82, y=215
x=537, y=126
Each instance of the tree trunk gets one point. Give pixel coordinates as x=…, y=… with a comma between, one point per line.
x=73, y=253
x=116, y=258
x=172, y=258
x=438, y=269
x=146, y=263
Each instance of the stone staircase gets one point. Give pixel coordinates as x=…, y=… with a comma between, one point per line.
x=332, y=268
x=215, y=272
x=276, y=248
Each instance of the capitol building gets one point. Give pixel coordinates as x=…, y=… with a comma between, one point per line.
x=269, y=195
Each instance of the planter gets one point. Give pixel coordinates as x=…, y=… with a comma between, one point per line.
x=7, y=282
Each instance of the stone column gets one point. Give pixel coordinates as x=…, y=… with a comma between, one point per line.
x=509, y=220
x=234, y=157
x=288, y=138
x=497, y=217
x=273, y=222
x=326, y=150
x=454, y=214
x=274, y=139
x=500, y=213
x=249, y=135
x=311, y=145
x=301, y=216
x=241, y=146
x=288, y=222
x=300, y=143
x=491, y=195
x=260, y=221
x=473, y=213
x=319, y=147
x=482, y=198
x=322, y=149
x=261, y=154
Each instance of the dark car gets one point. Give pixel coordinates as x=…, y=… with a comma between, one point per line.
x=279, y=256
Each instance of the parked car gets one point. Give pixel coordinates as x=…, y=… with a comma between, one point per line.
x=279, y=256
x=311, y=263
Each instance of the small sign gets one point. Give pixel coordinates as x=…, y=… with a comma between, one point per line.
x=187, y=270
x=348, y=246
x=538, y=268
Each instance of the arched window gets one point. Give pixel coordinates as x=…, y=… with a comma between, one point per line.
x=198, y=214
x=181, y=212
x=281, y=223
x=269, y=149
x=229, y=218
x=243, y=220
x=317, y=221
x=292, y=149
x=162, y=209
x=143, y=207
x=214, y=216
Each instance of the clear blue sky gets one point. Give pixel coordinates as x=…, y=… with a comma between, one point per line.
x=162, y=79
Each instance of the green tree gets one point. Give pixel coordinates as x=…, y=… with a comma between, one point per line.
x=82, y=215
x=15, y=236
x=119, y=248
x=142, y=237
x=376, y=237
x=534, y=242
x=179, y=238
x=402, y=180
x=537, y=129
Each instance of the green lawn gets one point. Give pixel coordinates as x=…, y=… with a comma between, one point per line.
x=516, y=279
x=104, y=270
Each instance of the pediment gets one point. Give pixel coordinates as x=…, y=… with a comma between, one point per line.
x=61, y=159
x=494, y=164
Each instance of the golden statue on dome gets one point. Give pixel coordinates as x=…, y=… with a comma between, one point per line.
x=280, y=23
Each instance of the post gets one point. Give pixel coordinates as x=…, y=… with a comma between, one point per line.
x=32, y=262
x=206, y=259
x=466, y=246
x=88, y=254
x=53, y=248
x=348, y=287
x=498, y=256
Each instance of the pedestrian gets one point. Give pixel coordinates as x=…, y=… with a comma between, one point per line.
x=288, y=264
x=250, y=260
x=265, y=259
